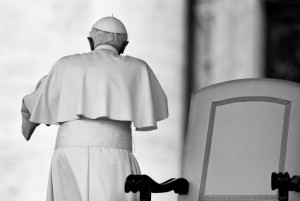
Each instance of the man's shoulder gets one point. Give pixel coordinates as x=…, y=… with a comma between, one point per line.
x=134, y=60
x=71, y=57
x=74, y=59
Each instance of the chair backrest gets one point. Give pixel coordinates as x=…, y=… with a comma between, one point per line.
x=240, y=132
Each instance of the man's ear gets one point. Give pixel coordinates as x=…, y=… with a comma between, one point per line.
x=91, y=43
x=121, y=51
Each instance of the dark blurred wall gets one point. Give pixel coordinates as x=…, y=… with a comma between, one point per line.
x=282, y=39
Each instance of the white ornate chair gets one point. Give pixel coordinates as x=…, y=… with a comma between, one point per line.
x=239, y=133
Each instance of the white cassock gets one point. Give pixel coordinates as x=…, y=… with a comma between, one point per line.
x=94, y=97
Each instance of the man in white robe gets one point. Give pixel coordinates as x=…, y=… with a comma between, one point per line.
x=94, y=97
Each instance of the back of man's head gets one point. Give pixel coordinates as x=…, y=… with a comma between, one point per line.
x=109, y=31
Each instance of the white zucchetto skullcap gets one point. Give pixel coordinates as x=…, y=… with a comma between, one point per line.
x=110, y=24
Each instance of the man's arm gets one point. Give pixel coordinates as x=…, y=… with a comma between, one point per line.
x=28, y=101
x=28, y=127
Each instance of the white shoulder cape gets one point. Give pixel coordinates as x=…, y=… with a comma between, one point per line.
x=99, y=84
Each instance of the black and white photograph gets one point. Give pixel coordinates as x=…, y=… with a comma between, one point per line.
x=174, y=100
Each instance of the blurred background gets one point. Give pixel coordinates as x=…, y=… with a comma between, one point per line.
x=188, y=44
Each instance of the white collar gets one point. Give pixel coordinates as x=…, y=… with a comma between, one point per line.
x=107, y=47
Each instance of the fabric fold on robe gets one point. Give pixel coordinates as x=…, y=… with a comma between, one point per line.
x=90, y=179
x=91, y=161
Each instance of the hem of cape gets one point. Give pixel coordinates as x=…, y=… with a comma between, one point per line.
x=142, y=128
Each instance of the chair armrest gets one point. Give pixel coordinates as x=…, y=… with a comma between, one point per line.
x=284, y=184
x=146, y=185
